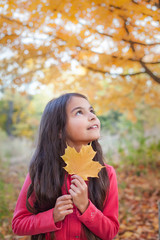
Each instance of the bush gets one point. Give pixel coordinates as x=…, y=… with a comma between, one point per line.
x=132, y=144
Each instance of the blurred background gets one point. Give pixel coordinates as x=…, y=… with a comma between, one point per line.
x=107, y=50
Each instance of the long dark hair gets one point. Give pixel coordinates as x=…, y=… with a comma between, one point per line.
x=46, y=168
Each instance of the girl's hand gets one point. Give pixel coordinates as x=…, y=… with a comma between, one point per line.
x=63, y=207
x=79, y=193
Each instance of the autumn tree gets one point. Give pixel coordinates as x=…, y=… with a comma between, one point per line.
x=20, y=115
x=109, y=50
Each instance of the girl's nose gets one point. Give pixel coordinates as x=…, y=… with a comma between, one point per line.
x=91, y=116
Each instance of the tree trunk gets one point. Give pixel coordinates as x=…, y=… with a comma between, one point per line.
x=9, y=118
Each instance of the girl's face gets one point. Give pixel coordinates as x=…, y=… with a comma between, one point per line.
x=82, y=125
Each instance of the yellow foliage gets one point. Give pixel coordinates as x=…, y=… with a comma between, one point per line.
x=92, y=47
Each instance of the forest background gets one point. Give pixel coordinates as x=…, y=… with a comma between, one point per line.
x=108, y=50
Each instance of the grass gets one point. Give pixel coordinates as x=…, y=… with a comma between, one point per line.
x=14, y=156
x=4, y=211
x=14, y=148
x=6, y=190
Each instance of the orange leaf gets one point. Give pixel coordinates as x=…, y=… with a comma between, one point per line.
x=81, y=163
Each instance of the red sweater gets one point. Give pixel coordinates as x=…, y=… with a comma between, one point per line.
x=103, y=224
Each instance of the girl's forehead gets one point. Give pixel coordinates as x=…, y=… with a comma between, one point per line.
x=75, y=101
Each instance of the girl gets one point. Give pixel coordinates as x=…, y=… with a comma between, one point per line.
x=55, y=205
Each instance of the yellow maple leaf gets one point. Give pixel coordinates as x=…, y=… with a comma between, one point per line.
x=80, y=163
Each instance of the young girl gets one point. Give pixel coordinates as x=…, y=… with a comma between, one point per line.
x=55, y=205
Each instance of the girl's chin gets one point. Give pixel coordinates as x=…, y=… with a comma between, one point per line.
x=93, y=139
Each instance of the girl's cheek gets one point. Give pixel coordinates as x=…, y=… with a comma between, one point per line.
x=99, y=123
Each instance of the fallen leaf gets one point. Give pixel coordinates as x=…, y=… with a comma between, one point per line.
x=80, y=163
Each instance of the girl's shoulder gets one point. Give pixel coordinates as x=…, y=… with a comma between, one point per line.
x=27, y=181
x=111, y=171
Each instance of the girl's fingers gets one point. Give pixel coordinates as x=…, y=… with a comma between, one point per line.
x=63, y=207
x=64, y=203
x=66, y=207
x=74, y=188
x=77, y=183
x=65, y=197
x=59, y=214
x=80, y=179
x=72, y=192
x=67, y=212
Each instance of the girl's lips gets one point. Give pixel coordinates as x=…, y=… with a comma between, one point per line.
x=95, y=126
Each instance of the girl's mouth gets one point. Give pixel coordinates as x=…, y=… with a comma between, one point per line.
x=93, y=127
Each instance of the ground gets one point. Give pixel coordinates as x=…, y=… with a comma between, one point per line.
x=139, y=194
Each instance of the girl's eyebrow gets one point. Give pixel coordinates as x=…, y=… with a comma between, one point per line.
x=76, y=108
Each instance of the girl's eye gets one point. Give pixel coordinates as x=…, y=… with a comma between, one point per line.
x=79, y=112
x=92, y=111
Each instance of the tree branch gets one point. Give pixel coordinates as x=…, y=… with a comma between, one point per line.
x=147, y=70
x=16, y=21
x=150, y=73
x=103, y=34
x=125, y=9
x=115, y=74
x=116, y=57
